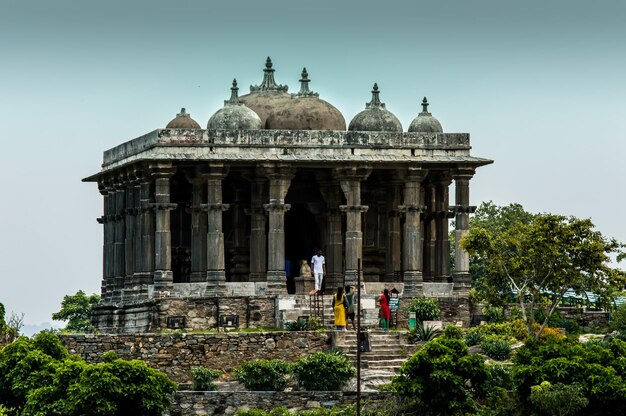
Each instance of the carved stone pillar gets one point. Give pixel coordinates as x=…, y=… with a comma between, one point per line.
x=145, y=272
x=461, y=210
x=137, y=233
x=198, y=232
x=107, y=220
x=331, y=192
x=350, y=180
x=130, y=213
x=216, y=273
x=119, y=250
x=258, y=239
x=279, y=181
x=442, y=244
x=393, y=244
x=412, y=244
x=163, y=276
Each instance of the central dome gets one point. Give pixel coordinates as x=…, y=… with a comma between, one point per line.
x=264, y=98
x=305, y=111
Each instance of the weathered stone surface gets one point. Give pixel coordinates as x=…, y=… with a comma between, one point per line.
x=177, y=354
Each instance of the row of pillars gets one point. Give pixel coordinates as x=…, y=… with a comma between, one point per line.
x=137, y=233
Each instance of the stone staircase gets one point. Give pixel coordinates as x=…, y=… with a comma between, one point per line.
x=389, y=350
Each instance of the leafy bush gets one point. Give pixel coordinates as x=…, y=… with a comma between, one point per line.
x=494, y=313
x=323, y=371
x=423, y=333
x=569, y=325
x=310, y=324
x=39, y=377
x=263, y=375
x=426, y=309
x=511, y=330
x=618, y=319
x=558, y=399
x=453, y=332
x=473, y=338
x=496, y=348
x=442, y=378
x=597, y=367
x=279, y=411
x=203, y=378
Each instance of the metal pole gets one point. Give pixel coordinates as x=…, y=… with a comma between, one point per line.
x=358, y=339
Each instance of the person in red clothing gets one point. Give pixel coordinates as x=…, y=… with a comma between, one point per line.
x=385, y=312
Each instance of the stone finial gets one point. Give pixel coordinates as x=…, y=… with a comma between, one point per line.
x=234, y=95
x=183, y=113
x=375, y=103
x=425, y=107
x=304, y=86
x=268, y=84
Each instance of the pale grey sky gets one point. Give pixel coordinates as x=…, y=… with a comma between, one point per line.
x=538, y=84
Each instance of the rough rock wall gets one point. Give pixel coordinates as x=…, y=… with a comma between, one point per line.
x=177, y=354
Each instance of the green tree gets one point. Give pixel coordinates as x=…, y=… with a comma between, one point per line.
x=540, y=260
x=443, y=378
x=76, y=310
x=39, y=378
x=496, y=220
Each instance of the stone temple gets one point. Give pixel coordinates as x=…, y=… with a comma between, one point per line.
x=204, y=223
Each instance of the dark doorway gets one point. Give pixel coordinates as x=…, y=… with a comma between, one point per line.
x=302, y=237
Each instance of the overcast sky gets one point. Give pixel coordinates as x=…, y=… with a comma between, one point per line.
x=539, y=85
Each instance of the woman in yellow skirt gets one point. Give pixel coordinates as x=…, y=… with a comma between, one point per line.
x=339, y=309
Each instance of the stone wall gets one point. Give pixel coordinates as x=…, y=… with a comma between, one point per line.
x=228, y=403
x=195, y=313
x=177, y=354
x=453, y=309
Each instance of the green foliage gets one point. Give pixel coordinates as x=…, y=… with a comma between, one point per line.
x=442, y=378
x=76, y=310
x=426, y=309
x=203, y=378
x=496, y=348
x=453, y=332
x=598, y=368
x=618, y=319
x=38, y=377
x=423, y=333
x=312, y=323
x=513, y=330
x=349, y=410
x=494, y=313
x=264, y=375
x=570, y=326
x=323, y=371
x=558, y=399
x=541, y=259
x=473, y=338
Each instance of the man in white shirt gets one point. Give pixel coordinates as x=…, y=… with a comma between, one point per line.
x=318, y=266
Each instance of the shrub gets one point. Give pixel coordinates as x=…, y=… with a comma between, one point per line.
x=323, y=371
x=423, y=333
x=618, y=319
x=473, y=338
x=558, y=399
x=310, y=324
x=442, y=378
x=496, y=348
x=279, y=411
x=426, y=309
x=494, y=313
x=453, y=332
x=263, y=375
x=569, y=325
x=203, y=378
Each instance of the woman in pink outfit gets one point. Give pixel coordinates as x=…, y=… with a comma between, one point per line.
x=385, y=312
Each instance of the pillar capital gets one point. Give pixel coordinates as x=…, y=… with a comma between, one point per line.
x=463, y=173
x=353, y=208
x=412, y=174
x=276, y=206
x=352, y=173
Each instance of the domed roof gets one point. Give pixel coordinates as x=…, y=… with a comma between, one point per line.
x=183, y=120
x=234, y=115
x=267, y=96
x=425, y=122
x=375, y=117
x=305, y=111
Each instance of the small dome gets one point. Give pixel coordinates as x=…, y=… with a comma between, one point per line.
x=267, y=96
x=183, y=120
x=375, y=117
x=234, y=115
x=305, y=111
x=425, y=122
